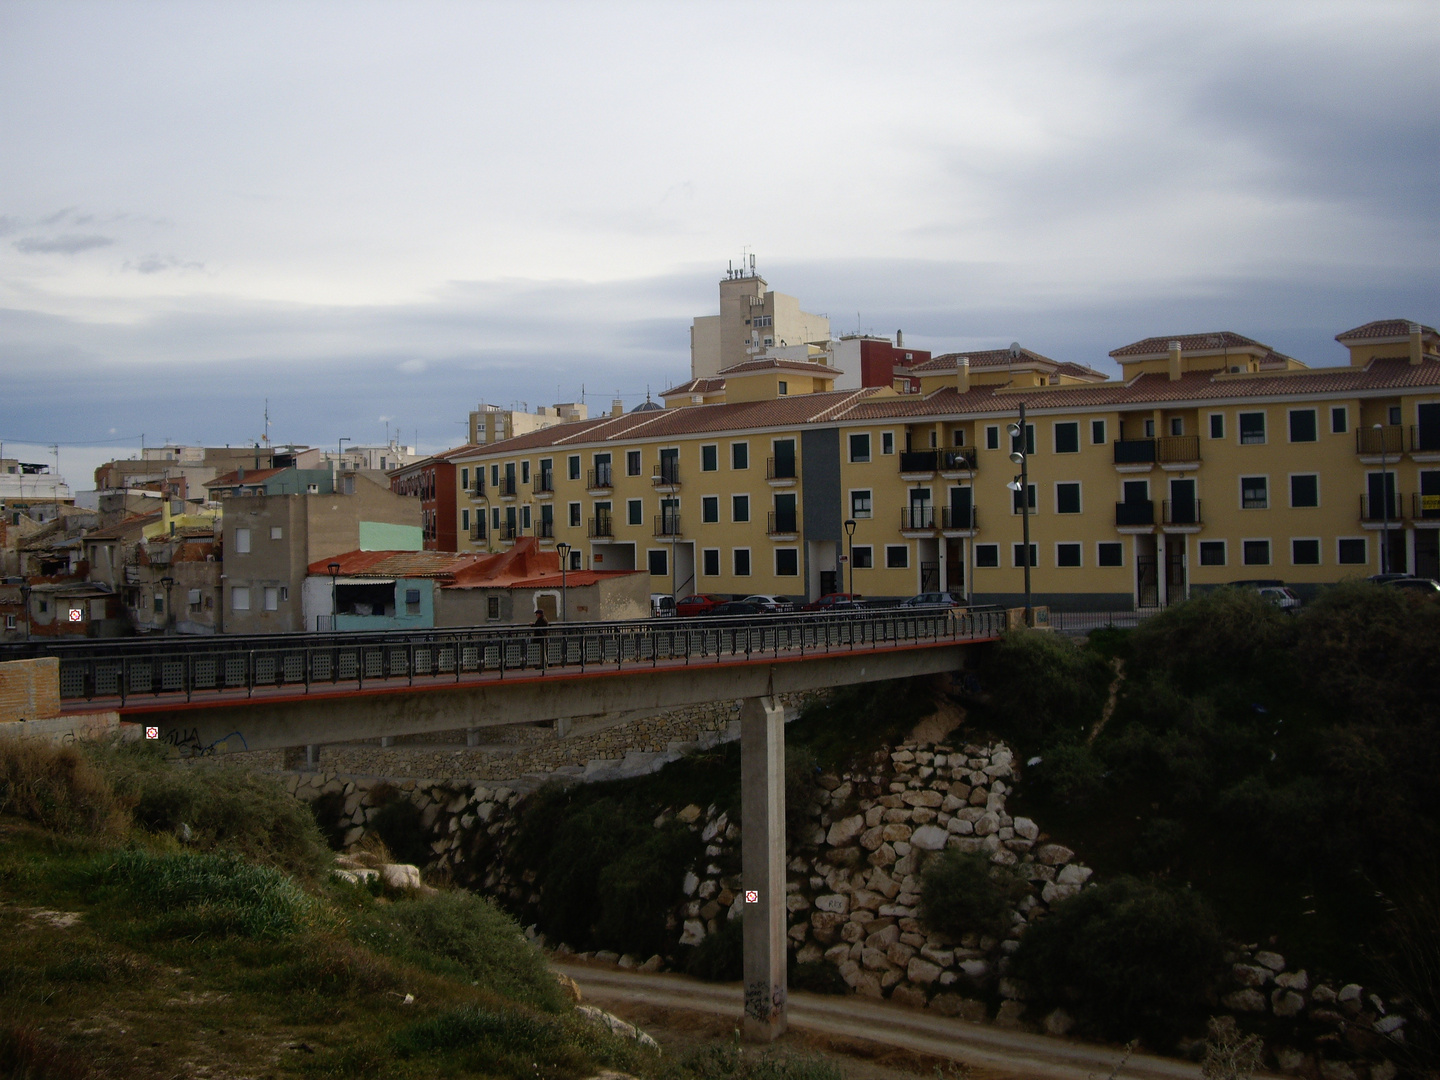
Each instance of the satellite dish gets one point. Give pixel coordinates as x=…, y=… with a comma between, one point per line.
x=1014, y=350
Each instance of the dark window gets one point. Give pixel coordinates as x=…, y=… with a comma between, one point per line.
x=1067, y=438
x=860, y=504
x=1110, y=553
x=574, y=515
x=709, y=458
x=897, y=556
x=864, y=557
x=739, y=507
x=1394, y=415
x=524, y=472
x=1015, y=499
x=1017, y=555
x=787, y=562
x=1252, y=427
x=1302, y=425
x=987, y=554
x=1254, y=492
x=860, y=447
x=634, y=512
x=740, y=457
x=1212, y=552
x=1067, y=554
x=887, y=442
x=1339, y=419
x=1305, y=552
x=574, y=465
x=1352, y=552
x=710, y=509
x=1067, y=499
x=659, y=565
x=710, y=562
x=742, y=562
x=1097, y=432
x=1255, y=552
x=1305, y=490
x=1029, y=440
x=632, y=462
x=1217, y=425
x=992, y=438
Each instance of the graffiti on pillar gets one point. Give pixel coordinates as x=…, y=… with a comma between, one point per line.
x=764, y=1002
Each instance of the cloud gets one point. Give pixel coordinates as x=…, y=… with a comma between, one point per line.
x=61, y=245
x=411, y=367
x=156, y=264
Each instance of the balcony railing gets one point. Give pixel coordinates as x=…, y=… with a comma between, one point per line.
x=1389, y=440
x=1182, y=512
x=599, y=477
x=477, y=532
x=958, y=459
x=507, y=530
x=959, y=517
x=477, y=487
x=1387, y=509
x=919, y=461
x=780, y=468
x=507, y=487
x=602, y=525
x=1134, y=451
x=666, y=474
x=543, y=483
x=1424, y=439
x=1135, y=513
x=1177, y=448
x=667, y=525
x=545, y=530
x=1427, y=506
x=781, y=524
x=917, y=517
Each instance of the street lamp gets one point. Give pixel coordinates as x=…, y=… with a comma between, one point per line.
x=850, y=540
x=1384, y=504
x=334, y=569
x=563, y=550
x=169, y=583
x=1021, y=485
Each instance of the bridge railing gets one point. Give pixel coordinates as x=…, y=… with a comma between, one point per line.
x=197, y=668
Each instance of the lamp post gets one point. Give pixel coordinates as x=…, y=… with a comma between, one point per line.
x=1384, y=504
x=169, y=583
x=850, y=542
x=563, y=550
x=334, y=569
x=1021, y=485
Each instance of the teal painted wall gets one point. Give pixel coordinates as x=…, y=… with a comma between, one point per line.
x=423, y=620
x=382, y=536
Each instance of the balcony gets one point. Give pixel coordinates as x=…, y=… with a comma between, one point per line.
x=545, y=530
x=666, y=476
x=1375, y=447
x=917, y=520
x=1424, y=443
x=602, y=525
x=959, y=519
x=1377, y=512
x=957, y=462
x=477, y=487
x=1176, y=450
x=667, y=524
x=542, y=486
x=477, y=532
x=507, y=532
x=1181, y=515
x=1137, y=514
x=1426, y=508
x=919, y=464
x=782, y=525
x=1135, y=452
x=598, y=481
x=507, y=487
x=780, y=472
x=1170, y=451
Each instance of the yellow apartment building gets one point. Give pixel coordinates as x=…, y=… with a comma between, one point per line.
x=1211, y=459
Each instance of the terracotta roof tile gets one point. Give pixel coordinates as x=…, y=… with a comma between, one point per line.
x=779, y=364
x=1384, y=328
x=981, y=358
x=1213, y=342
x=252, y=476
x=695, y=386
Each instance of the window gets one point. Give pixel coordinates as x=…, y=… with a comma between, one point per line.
x=492, y=608
x=742, y=562
x=864, y=558
x=632, y=462
x=1303, y=425
x=992, y=437
x=1029, y=440
x=1217, y=425
x=659, y=564
x=988, y=554
x=412, y=601
x=860, y=447
x=787, y=562
x=739, y=507
x=525, y=516
x=634, y=512
x=574, y=516
x=1212, y=552
x=887, y=442
x=1339, y=420
x=194, y=596
x=9, y=622
x=496, y=518
x=783, y=387
x=958, y=437
x=464, y=482
x=276, y=532
x=710, y=509
x=1110, y=553
x=574, y=558
x=1067, y=438
x=1254, y=493
x=524, y=472
x=1017, y=555
x=465, y=521
x=1067, y=554
x=897, y=556
x=160, y=604
x=239, y=598
x=709, y=458
x=1015, y=499
x=1305, y=490
x=710, y=562
x=242, y=541
x=1350, y=551
x=860, y=504
x=1177, y=425
x=1097, y=432
x=1394, y=415
x=1067, y=499
x=1305, y=552
x=573, y=465
x=1252, y=427
x=495, y=475
x=1255, y=552
x=739, y=455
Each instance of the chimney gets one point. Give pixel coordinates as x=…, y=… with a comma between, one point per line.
x=962, y=374
x=617, y=407
x=1174, y=361
x=1417, y=346
x=899, y=339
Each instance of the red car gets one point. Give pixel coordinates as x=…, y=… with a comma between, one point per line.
x=699, y=604
x=835, y=601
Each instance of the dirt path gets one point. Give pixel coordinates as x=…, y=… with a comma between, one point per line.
x=989, y=1051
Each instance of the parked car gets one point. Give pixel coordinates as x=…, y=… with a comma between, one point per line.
x=697, y=604
x=738, y=607
x=1420, y=586
x=661, y=604
x=934, y=600
x=835, y=601
x=1281, y=597
x=771, y=604
x=1385, y=579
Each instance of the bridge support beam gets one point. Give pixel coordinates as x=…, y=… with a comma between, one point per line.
x=762, y=864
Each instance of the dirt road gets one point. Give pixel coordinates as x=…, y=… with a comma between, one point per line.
x=996, y=1051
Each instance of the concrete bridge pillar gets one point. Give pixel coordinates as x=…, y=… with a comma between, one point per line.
x=762, y=863
x=387, y=740
x=472, y=736
x=312, y=756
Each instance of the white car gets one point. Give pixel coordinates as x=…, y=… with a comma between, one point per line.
x=1280, y=596
x=772, y=604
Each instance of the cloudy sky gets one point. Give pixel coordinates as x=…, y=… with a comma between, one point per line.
x=384, y=213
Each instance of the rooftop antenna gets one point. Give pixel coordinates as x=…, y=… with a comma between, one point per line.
x=266, y=436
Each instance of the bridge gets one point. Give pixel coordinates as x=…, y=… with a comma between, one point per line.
x=248, y=693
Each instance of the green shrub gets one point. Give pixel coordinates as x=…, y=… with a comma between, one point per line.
x=818, y=978
x=1159, y=844
x=636, y=892
x=1127, y=957
x=398, y=823
x=1068, y=773
x=465, y=936
x=198, y=895
x=58, y=788
x=855, y=719
x=1043, y=684
x=961, y=892
x=1229, y=636
x=719, y=957
x=731, y=1061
